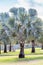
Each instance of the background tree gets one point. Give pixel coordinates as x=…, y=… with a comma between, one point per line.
x=20, y=17
x=4, y=37
x=40, y=39
x=34, y=27
x=29, y=24
x=6, y=33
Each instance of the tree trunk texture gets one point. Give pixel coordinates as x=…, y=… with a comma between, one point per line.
x=10, y=48
x=5, y=48
x=42, y=46
x=33, y=46
x=21, y=55
x=0, y=48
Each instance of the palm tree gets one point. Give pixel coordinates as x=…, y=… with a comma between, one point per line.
x=21, y=39
x=14, y=10
x=34, y=27
x=4, y=19
x=32, y=18
x=13, y=26
x=4, y=37
x=20, y=15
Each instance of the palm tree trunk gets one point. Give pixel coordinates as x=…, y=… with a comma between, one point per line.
x=10, y=48
x=42, y=46
x=21, y=55
x=33, y=46
x=5, y=48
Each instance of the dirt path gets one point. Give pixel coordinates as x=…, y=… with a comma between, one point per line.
x=34, y=62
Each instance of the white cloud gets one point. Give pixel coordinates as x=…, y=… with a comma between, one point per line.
x=26, y=4
x=39, y=10
x=38, y=1
x=23, y=3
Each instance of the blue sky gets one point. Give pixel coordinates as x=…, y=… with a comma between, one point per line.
x=5, y=5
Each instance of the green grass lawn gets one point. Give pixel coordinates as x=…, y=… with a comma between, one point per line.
x=16, y=59
x=26, y=51
x=13, y=56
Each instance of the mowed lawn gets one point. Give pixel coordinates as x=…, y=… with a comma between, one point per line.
x=13, y=56
x=33, y=62
x=38, y=51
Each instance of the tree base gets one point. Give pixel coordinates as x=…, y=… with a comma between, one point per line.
x=9, y=50
x=21, y=56
x=5, y=51
x=42, y=47
x=33, y=50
